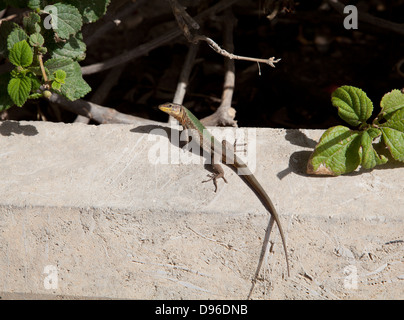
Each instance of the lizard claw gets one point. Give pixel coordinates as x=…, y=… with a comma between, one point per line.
x=214, y=177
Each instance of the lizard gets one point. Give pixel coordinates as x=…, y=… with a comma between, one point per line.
x=213, y=147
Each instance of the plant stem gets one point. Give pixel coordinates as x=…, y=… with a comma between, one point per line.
x=45, y=77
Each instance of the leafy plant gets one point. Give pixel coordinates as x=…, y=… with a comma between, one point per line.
x=341, y=150
x=45, y=49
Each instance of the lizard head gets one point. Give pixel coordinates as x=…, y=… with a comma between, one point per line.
x=173, y=109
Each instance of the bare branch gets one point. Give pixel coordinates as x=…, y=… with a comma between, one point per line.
x=184, y=20
x=147, y=47
x=8, y=18
x=107, y=23
x=185, y=73
x=225, y=114
x=103, y=90
x=98, y=113
x=229, y=55
x=2, y=13
x=132, y=54
x=186, y=23
x=367, y=18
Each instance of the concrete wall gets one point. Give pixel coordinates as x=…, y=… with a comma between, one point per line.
x=84, y=213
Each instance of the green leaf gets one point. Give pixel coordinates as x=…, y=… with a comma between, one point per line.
x=32, y=23
x=60, y=76
x=90, y=10
x=353, y=105
x=336, y=153
x=36, y=40
x=73, y=48
x=391, y=102
x=35, y=83
x=35, y=95
x=75, y=87
x=370, y=158
x=393, y=134
x=35, y=70
x=21, y=54
x=5, y=100
x=56, y=85
x=34, y=4
x=5, y=29
x=19, y=89
x=17, y=35
x=66, y=19
x=42, y=50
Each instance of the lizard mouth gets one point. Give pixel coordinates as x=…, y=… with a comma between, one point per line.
x=165, y=108
x=172, y=109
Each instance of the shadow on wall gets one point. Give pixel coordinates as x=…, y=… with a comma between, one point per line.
x=8, y=128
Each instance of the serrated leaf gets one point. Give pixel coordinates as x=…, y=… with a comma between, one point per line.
x=17, y=35
x=60, y=76
x=31, y=23
x=353, y=105
x=5, y=29
x=35, y=70
x=66, y=19
x=19, y=89
x=35, y=83
x=336, y=153
x=391, y=102
x=370, y=158
x=393, y=134
x=35, y=95
x=21, y=54
x=75, y=87
x=42, y=50
x=56, y=85
x=73, y=48
x=5, y=100
x=90, y=10
x=34, y=4
x=36, y=40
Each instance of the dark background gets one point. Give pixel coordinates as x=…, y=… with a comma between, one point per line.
x=318, y=55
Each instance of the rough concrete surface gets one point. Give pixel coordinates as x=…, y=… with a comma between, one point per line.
x=85, y=213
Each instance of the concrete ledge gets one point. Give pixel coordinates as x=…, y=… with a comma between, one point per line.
x=85, y=214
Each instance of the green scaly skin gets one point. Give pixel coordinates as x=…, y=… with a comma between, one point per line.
x=209, y=144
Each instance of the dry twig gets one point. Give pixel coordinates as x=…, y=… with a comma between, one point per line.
x=8, y=18
x=225, y=114
x=98, y=113
x=159, y=41
x=107, y=22
x=229, y=55
x=185, y=73
x=186, y=24
x=103, y=90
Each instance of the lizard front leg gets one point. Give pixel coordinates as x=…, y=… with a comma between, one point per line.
x=217, y=174
x=217, y=168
